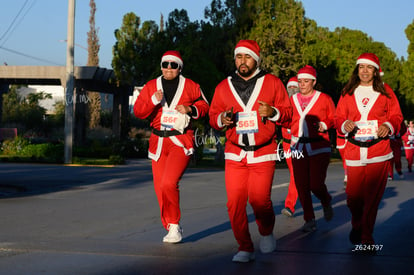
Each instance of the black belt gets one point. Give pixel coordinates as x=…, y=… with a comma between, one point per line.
x=309, y=140
x=253, y=147
x=286, y=140
x=365, y=144
x=165, y=133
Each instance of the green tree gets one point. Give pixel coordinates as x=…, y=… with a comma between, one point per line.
x=134, y=50
x=94, y=103
x=59, y=116
x=12, y=106
x=125, y=58
x=24, y=111
x=407, y=74
x=197, y=50
x=333, y=54
x=278, y=28
x=220, y=29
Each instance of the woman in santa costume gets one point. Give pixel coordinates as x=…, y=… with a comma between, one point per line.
x=313, y=116
x=408, y=139
x=292, y=196
x=248, y=104
x=367, y=112
x=170, y=101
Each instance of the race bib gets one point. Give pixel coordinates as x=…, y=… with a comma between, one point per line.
x=247, y=123
x=168, y=117
x=367, y=130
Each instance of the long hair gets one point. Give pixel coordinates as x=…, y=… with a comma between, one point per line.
x=354, y=82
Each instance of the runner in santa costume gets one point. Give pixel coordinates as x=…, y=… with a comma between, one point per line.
x=313, y=116
x=396, y=144
x=248, y=104
x=368, y=112
x=292, y=195
x=408, y=139
x=170, y=101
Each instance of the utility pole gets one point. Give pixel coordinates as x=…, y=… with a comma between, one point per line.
x=70, y=83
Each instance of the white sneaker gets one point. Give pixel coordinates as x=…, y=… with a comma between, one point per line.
x=267, y=244
x=243, y=257
x=174, y=234
x=287, y=212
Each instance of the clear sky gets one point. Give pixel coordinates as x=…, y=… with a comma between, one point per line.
x=33, y=32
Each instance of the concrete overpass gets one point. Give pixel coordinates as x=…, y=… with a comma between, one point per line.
x=87, y=78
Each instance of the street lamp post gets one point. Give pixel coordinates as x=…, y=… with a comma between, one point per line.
x=70, y=81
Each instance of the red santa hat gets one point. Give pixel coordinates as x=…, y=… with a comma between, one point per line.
x=307, y=72
x=173, y=56
x=249, y=47
x=370, y=59
x=293, y=81
x=381, y=72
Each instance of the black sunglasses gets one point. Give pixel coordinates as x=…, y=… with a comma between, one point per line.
x=172, y=64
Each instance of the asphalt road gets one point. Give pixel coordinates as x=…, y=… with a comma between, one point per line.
x=59, y=219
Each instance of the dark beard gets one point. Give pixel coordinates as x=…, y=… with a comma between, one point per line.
x=247, y=73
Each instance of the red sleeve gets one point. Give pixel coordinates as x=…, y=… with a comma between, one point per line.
x=330, y=112
x=143, y=106
x=395, y=116
x=200, y=103
x=218, y=104
x=341, y=114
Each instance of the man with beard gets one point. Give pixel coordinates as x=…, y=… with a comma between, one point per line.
x=249, y=104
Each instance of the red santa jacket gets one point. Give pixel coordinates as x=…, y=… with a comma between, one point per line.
x=305, y=124
x=340, y=141
x=269, y=89
x=381, y=109
x=188, y=93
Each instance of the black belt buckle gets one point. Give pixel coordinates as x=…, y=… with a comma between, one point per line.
x=249, y=148
x=166, y=133
x=160, y=133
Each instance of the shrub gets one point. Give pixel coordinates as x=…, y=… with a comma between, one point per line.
x=21, y=148
x=45, y=151
x=116, y=159
x=14, y=146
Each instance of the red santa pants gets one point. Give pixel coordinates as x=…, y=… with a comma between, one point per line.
x=409, y=156
x=252, y=182
x=167, y=172
x=310, y=175
x=341, y=153
x=396, y=160
x=365, y=188
x=292, y=195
